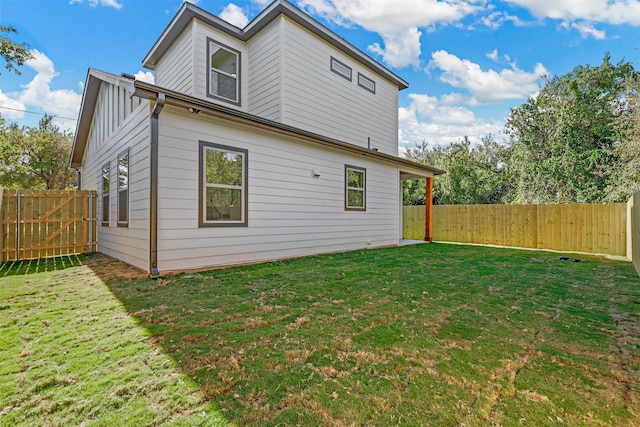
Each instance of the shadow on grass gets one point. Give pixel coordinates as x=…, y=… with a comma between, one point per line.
x=368, y=337
x=19, y=268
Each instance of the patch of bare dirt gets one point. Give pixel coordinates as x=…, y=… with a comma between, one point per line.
x=108, y=268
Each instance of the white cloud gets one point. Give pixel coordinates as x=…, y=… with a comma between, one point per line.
x=234, y=16
x=487, y=87
x=11, y=108
x=93, y=3
x=586, y=30
x=38, y=95
x=496, y=19
x=145, y=76
x=606, y=11
x=398, y=23
x=438, y=122
x=401, y=48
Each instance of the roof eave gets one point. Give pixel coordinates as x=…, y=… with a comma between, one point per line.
x=149, y=91
x=94, y=80
x=188, y=11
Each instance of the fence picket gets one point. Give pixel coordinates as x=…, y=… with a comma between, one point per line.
x=590, y=228
x=47, y=223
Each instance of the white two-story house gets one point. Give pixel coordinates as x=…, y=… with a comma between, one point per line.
x=272, y=141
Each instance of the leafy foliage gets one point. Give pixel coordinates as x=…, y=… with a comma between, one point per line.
x=563, y=140
x=577, y=141
x=35, y=158
x=14, y=54
x=475, y=174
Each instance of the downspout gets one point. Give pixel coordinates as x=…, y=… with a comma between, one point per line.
x=153, y=184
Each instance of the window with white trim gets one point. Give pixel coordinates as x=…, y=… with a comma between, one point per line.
x=223, y=185
x=123, y=189
x=366, y=83
x=106, y=185
x=223, y=75
x=340, y=68
x=355, y=188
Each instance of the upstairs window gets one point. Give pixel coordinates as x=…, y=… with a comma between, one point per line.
x=223, y=78
x=340, y=69
x=123, y=189
x=366, y=83
x=223, y=185
x=355, y=188
x=106, y=180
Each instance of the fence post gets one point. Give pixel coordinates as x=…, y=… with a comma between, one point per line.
x=1, y=225
x=18, y=210
x=91, y=222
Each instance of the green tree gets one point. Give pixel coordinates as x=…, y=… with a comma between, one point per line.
x=15, y=54
x=35, y=158
x=475, y=174
x=563, y=141
x=625, y=177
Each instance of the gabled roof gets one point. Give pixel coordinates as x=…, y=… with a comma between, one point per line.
x=92, y=84
x=95, y=78
x=189, y=11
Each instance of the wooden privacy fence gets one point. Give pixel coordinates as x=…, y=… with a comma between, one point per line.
x=590, y=228
x=633, y=230
x=47, y=223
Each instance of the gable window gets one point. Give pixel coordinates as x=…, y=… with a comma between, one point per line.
x=106, y=178
x=223, y=185
x=340, y=68
x=366, y=83
x=123, y=189
x=223, y=78
x=355, y=188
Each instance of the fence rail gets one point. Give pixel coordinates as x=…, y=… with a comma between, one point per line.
x=47, y=223
x=590, y=228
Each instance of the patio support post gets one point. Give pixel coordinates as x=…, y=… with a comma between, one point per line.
x=428, y=205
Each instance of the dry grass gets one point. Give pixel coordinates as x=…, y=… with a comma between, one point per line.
x=431, y=335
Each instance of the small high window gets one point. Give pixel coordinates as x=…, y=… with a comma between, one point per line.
x=340, y=68
x=366, y=83
x=123, y=189
x=223, y=78
x=106, y=180
x=355, y=188
x=223, y=185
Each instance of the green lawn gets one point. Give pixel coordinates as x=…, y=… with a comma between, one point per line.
x=430, y=334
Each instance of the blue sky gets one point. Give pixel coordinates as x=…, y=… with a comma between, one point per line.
x=468, y=62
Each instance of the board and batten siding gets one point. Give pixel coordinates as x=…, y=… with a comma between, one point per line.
x=175, y=70
x=265, y=72
x=106, y=143
x=290, y=212
x=321, y=101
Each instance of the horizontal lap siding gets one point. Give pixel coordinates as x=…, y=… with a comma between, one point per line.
x=265, y=73
x=175, y=69
x=130, y=244
x=291, y=213
x=201, y=33
x=319, y=100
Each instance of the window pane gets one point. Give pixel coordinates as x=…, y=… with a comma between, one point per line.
x=224, y=204
x=223, y=60
x=105, y=179
x=123, y=205
x=355, y=198
x=105, y=208
x=355, y=178
x=123, y=171
x=223, y=168
x=223, y=85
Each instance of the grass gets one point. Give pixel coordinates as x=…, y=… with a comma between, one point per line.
x=419, y=335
